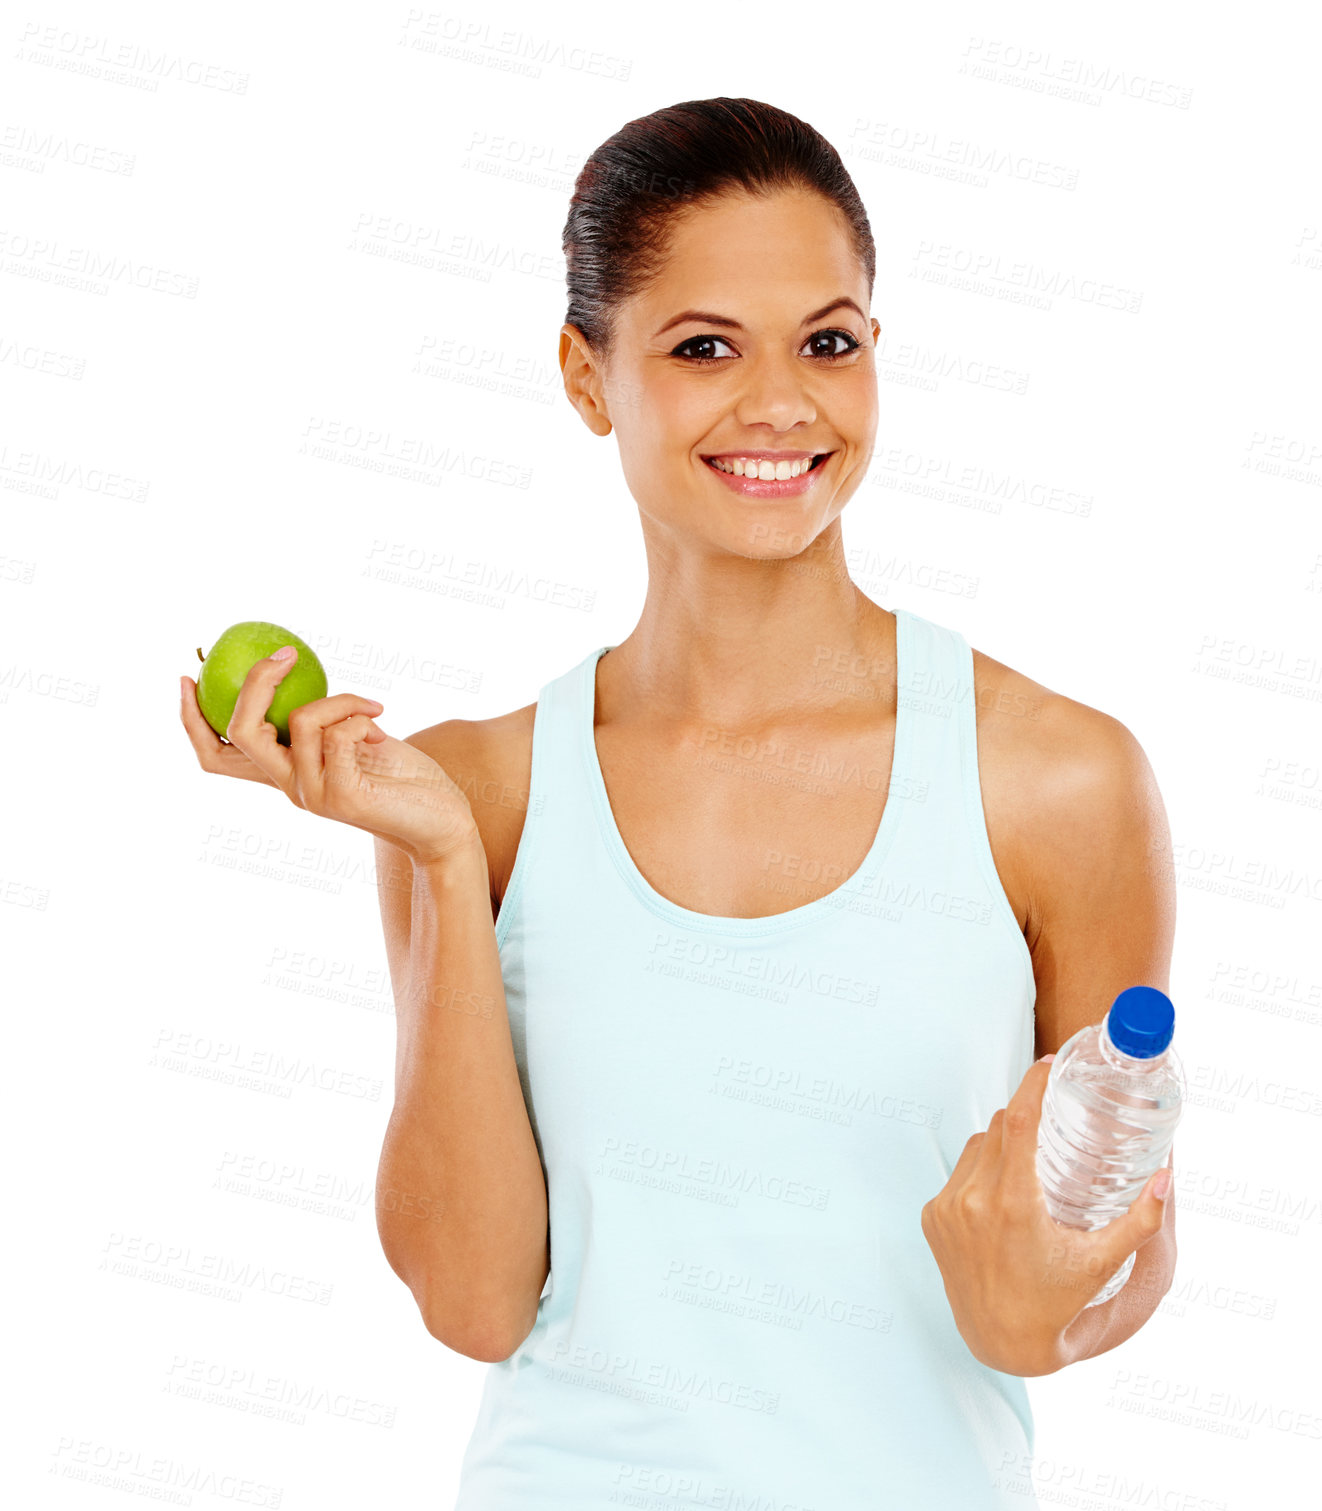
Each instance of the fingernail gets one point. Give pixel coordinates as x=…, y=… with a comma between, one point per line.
x=1161, y=1186
x=283, y=654
x=1047, y=1058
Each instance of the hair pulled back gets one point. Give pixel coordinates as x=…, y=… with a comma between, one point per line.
x=630, y=191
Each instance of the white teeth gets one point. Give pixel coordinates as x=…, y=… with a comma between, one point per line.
x=763, y=470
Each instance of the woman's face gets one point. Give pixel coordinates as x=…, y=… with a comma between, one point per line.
x=789, y=369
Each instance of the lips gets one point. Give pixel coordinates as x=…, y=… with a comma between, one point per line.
x=771, y=488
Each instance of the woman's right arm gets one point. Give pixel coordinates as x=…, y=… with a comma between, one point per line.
x=460, y=1197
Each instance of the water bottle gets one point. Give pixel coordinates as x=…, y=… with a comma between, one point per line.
x=1112, y=1100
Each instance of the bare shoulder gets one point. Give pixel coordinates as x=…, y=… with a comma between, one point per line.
x=1037, y=730
x=1058, y=777
x=490, y=761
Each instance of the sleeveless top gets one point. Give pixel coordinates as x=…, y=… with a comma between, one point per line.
x=740, y=1120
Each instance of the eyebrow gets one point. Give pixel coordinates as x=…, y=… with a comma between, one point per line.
x=705, y=317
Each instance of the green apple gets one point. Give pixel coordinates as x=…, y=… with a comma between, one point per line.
x=233, y=656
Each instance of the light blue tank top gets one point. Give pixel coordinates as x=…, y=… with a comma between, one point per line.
x=740, y=1120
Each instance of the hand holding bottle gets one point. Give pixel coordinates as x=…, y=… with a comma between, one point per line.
x=1014, y=1277
x=1109, y=1113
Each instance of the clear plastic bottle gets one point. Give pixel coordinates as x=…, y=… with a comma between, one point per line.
x=1112, y=1100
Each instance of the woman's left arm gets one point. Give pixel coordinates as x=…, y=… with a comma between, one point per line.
x=1097, y=865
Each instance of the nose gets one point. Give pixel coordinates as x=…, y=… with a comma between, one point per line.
x=775, y=392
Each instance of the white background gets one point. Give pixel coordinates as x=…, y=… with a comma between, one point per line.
x=231, y=235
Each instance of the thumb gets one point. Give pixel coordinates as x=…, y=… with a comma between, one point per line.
x=1143, y=1219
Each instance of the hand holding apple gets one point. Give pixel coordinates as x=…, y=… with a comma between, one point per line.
x=235, y=652
x=337, y=763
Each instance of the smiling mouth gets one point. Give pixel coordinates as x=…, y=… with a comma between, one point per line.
x=816, y=462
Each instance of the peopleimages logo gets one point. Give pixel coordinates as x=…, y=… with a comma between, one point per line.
x=98, y=55
x=768, y=969
x=1043, y=72
x=721, y=1176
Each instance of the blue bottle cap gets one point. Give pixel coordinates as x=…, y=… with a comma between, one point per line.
x=1141, y=1022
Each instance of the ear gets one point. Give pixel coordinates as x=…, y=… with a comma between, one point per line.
x=583, y=380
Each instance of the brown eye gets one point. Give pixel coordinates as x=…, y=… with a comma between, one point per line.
x=688, y=350
x=830, y=336
x=679, y=351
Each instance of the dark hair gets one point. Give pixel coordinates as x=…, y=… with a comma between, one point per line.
x=655, y=168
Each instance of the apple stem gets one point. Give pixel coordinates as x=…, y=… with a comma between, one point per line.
x=200, y=656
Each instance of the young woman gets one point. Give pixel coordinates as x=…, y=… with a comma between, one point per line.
x=722, y=967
